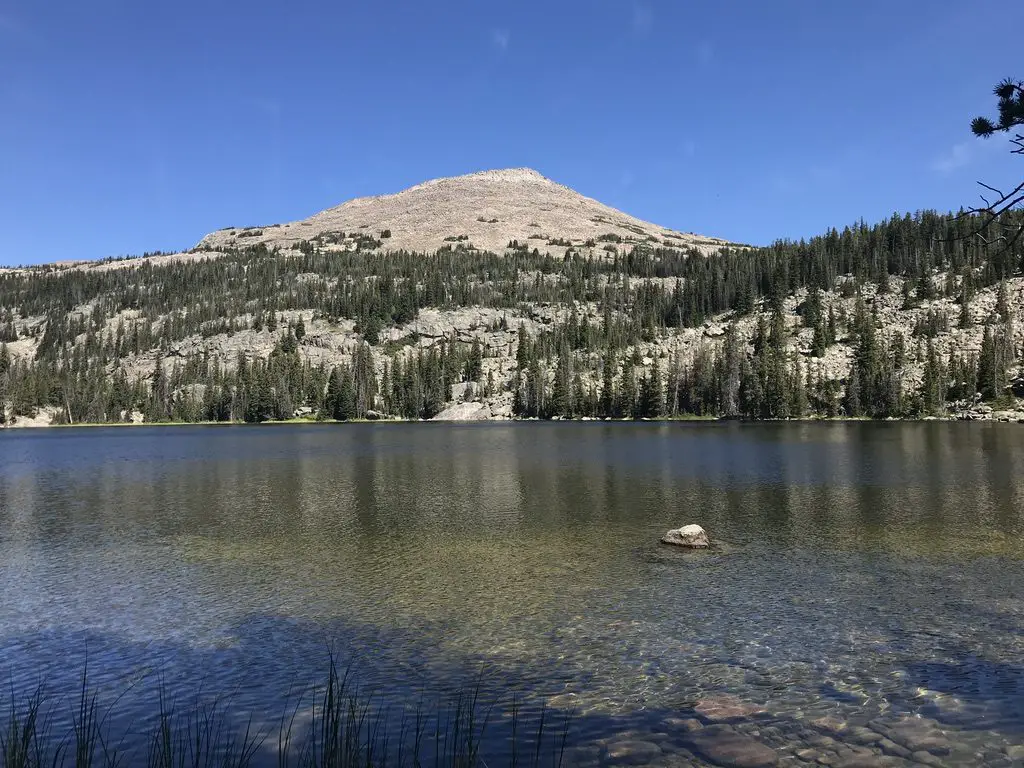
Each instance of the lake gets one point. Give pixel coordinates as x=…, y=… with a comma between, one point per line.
x=866, y=600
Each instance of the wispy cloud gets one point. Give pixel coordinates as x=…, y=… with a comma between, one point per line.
x=500, y=39
x=957, y=156
x=965, y=154
x=643, y=19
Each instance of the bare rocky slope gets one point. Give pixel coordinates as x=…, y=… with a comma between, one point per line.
x=488, y=210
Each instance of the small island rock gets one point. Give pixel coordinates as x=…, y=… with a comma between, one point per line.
x=692, y=536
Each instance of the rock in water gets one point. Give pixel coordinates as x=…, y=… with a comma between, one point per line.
x=725, y=746
x=692, y=536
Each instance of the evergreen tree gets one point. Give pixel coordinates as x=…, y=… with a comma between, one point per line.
x=625, y=406
x=475, y=362
x=561, y=390
x=651, y=403
x=345, y=406
x=852, y=403
x=607, y=386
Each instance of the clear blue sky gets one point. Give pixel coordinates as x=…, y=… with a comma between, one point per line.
x=133, y=126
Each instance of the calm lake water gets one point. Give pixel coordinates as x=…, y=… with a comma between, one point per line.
x=870, y=577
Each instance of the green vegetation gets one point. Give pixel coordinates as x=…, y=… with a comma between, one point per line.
x=1010, y=96
x=89, y=323
x=343, y=730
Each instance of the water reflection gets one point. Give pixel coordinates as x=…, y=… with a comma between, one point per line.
x=872, y=569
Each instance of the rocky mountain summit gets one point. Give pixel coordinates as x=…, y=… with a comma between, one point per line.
x=480, y=211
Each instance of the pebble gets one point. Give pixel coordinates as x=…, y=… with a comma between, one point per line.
x=920, y=735
x=868, y=760
x=686, y=724
x=633, y=752
x=890, y=747
x=824, y=742
x=858, y=734
x=830, y=725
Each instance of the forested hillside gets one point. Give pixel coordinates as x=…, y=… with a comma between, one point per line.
x=912, y=317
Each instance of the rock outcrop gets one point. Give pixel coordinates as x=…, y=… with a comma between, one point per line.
x=464, y=412
x=692, y=536
x=725, y=746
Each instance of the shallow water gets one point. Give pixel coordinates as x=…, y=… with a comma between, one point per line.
x=869, y=573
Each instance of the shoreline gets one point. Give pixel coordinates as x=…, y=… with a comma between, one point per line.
x=1002, y=418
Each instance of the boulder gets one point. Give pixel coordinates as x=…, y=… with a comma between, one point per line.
x=720, y=708
x=633, y=752
x=692, y=536
x=725, y=746
x=464, y=412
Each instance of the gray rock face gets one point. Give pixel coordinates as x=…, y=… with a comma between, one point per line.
x=726, y=746
x=692, y=536
x=464, y=412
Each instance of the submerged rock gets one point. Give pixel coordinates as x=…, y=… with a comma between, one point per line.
x=692, y=536
x=720, y=708
x=725, y=746
x=633, y=752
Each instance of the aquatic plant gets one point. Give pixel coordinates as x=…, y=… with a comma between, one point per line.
x=330, y=726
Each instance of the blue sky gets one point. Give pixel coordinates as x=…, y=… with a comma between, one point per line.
x=133, y=126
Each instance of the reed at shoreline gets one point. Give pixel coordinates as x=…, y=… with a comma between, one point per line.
x=330, y=726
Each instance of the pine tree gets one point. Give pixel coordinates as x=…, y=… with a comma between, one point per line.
x=933, y=385
x=536, y=391
x=798, y=392
x=475, y=361
x=852, y=404
x=607, y=386
x=1003, y=302
x=364, y=381
x=966, y=294
x=625, y=406
x=751, y=394
x=652, y=397
x=347, y=404
x=561, y=390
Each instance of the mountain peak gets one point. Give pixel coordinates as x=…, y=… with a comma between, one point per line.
x=485, y=210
